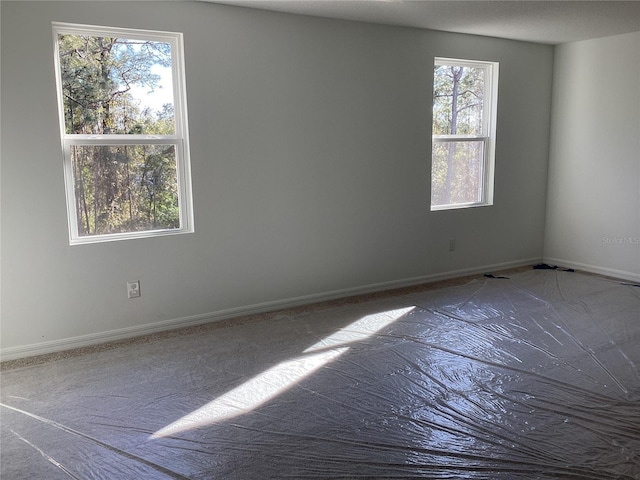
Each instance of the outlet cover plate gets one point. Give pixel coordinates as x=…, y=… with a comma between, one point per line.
x=133, y=289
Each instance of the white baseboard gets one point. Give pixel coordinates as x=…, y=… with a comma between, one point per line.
x=610, y=272
x=13, y=353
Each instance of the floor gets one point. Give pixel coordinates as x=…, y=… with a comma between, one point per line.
x=533, y=376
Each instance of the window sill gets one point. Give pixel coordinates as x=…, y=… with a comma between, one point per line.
x=457, y=206
x=113, y=237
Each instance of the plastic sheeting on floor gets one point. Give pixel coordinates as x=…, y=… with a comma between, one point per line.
x=534, y=376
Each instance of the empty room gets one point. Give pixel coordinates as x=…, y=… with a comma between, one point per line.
x=375, y=239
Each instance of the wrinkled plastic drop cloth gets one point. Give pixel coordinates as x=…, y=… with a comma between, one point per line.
x=535, y=376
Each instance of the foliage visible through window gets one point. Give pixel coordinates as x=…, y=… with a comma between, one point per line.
x=464, y=101
x=123, y=131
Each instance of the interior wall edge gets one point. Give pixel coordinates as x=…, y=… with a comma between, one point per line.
x=53, y=346
x=609, y=272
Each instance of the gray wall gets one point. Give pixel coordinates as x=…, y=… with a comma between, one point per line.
x=310, y=147
x=593, y=209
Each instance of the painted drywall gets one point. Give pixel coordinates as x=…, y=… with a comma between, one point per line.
x=310, y=150
x=593, y=209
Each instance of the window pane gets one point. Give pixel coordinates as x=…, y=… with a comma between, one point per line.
x=456, y=173
x=116, y=85
x=458, y=99
x=125, y=188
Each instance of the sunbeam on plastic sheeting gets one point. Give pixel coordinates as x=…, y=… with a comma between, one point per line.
x=360, y=329
x=276, y=380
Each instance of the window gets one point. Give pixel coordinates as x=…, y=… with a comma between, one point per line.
x=123, y=123
x=465, y=97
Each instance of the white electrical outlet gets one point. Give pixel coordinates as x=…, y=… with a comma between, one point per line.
x=133, y=289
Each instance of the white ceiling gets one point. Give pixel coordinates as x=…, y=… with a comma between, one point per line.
x=549, y=21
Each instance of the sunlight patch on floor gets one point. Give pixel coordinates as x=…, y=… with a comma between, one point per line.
x=360, y=329
x=279, y=378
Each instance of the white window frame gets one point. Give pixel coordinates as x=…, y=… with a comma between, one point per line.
x=180, y=140
x=488, y=136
